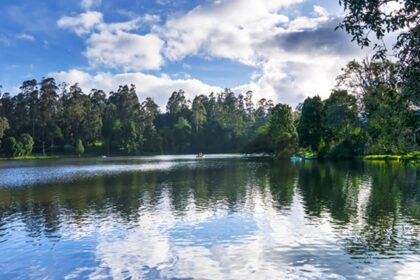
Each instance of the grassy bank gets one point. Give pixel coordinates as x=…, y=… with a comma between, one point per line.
x=413, y=156
x=29, y=157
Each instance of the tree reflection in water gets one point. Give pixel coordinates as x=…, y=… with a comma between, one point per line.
x=371, y=210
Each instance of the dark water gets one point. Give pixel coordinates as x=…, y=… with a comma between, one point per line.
x=221, y=217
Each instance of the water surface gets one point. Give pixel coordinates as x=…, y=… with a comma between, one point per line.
x=222, y=217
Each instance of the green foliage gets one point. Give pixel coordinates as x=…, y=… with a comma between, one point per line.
x=79, y=149
x=412, y=156
x=309, y=125
x=11, y=147
x=342, y=133
x=282, y=136
x=259, y=143
x=177, y=102
x=18, y=147
x=4, y=126
x=367, y=19
x=27, y=144
x=370, y=116
x=199, y=113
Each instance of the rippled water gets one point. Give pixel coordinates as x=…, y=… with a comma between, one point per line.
x=222, y=217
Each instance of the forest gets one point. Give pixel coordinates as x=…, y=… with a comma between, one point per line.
x=365, y=114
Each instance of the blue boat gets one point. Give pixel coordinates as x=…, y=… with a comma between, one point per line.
x=295, y=158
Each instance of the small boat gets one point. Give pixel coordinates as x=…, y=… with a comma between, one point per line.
x=103, y=156
x=200, y=155
x=295, y=158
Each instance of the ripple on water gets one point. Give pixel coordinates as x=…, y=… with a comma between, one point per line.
x=216, y=219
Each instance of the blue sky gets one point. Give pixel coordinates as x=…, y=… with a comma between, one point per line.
x=280, y=49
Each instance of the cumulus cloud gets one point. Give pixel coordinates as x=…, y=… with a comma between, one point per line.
x=291, y=81
x=124, y=50
x=113, y=45
x=81, y=24
x=157, y=87
x=225, y=29
x=293, y=56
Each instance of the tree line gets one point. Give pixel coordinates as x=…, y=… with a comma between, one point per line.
x=368, y=113
x=47, y=118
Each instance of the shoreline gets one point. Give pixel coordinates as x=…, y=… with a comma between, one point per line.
x=411, y=157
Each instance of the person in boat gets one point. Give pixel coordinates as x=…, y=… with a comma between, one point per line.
x=200, y=155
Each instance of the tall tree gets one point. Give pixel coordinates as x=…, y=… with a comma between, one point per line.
x=199, y=114
x=342, y=130
x=177, y=102
x=30, y=90
x=309, y=126
x=126, y=127
x=282, y=134
x=389, y=121
x=49, y=107
x=75, y=114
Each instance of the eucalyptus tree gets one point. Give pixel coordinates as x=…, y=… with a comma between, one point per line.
x=199, y=114
x=152, y=140
x=49, y=108
x=75, y=114
x=126, y=126
x=30, y=90
x=177, y=102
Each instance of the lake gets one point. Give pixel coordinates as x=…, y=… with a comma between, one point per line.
x=222, y=217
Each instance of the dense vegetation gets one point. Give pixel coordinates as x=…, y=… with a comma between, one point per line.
x=366, y=114
x=372, y=117
x=62, y=119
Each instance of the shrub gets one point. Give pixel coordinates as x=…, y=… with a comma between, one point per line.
x=12, y=147
x=27, y=144
x=80, y=149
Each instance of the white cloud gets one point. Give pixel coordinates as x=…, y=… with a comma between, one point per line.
x=159, y=88
x=293, y=57
x=81, y=24
x=226, y=29
x=259, y=33
x=89, y=4
x=112, y=45
x=291, y=81
x=320, y=11
x=124, y=50
x=24, y=36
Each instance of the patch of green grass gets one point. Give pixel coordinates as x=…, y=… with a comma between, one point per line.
x=29, y=157
x=382, y=157
x=412, y=156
